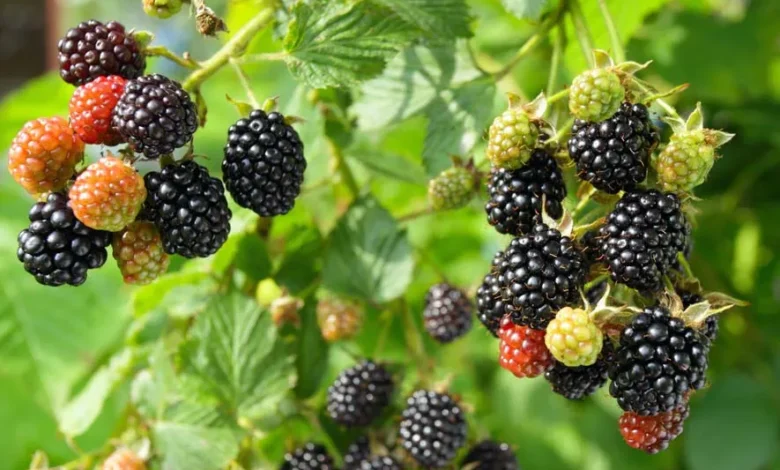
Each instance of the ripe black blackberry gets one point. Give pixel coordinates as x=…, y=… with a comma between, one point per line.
x=491, y=455
x=709, y=330
x=538, y=274
x=515, y=203
x=57, y=248
x=264, y=163
x=379, y=462
x=357, y=452
x=433, y=428
x=659, y=360
x=309, y=457
x=155, y=115
x=490, y=306
x=613, y=154
x=447, y=313
x=189, y=208
x=93, y=49
x=576, y=383
x=642, y=237
x=360, y=394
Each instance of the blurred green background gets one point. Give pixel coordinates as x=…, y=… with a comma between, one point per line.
x=729, y=53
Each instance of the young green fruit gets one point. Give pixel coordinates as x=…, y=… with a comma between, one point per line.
x=595, y=95
x=162, y=9
x=451, y=189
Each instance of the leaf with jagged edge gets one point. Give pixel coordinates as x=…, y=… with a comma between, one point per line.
x=439, y=20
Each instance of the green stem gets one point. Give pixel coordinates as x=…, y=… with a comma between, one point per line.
x=161, y=51
x=555, y=61
x=264, y=57
x=563, y=130
x=233, y=48
x=614, y=38
x=343, y=168
x=416, y=214
x=242, y=77
x=415, y=342
x=528, y=46
x=557, y=96
x=669, y=109
x=582, y=32
x=583, y=202
x=685, y=265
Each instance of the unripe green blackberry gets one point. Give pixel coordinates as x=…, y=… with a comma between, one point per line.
x=162, y=9
x=573, y=338
x=686, y=161
x=595, y=95
x=451, y=189
x=512, y=138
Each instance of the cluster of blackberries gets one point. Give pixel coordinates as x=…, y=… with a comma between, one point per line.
x=180, y=209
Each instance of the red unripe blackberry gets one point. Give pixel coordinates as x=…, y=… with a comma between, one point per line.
x=522, y=350
x=139, y=253
x=447, y=313
x=613, y=154
x=91, y=108
x=58, y=249
x=264, y=163
x=539, y=273
x=515, y=203
x=360, y=394
x=576, y=383
x=433, y=428
x=490, y=306
x=311, y=456
x=659, y=361
x=642, y=237
x=155, y=115
x=44, y=154
x=189, y=208
x=93, y=49
x=491, y=455
x=653, y=434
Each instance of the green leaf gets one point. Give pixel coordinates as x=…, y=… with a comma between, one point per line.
x=437, y=19
x=194, y=447
x=456, y=121
x=732, y=415
x=79, y=414
x=252, y=257
x=332, y=44
x=154, y=389
x=747, y=246
x=387, y=164
x=410, y=82
x=26, y=104
x=236, y=352
x=527, y=9
x=302, y=259
x=368, y=255
x=311, y=361
x=155, y=295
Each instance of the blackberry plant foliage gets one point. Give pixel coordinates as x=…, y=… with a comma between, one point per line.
x=345, y=264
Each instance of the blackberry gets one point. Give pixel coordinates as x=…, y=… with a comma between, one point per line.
x=539, y=273
x=189, y=208
x=521, y=350
x=93, y=49
x=709, y=330
x=490, y=306
x=357, y=452
x=311, y=456
x=360, y=394
x=576, y=383
x=264, y=164
x=642, y=237
x=491, y=455
x=58, y=249
x=515, y=203
x=589, y=245
x=447, y=313
x=653, y=434
x=155, y=115
x=433, y=428
x=379, y=462
x=659, y=361
x=613, y=154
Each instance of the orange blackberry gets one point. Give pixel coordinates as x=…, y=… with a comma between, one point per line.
x=139, y=253
x=90, y=110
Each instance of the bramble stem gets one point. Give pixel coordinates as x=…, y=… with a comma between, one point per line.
x=669, y=109
x=614, y=38
x=557, y=96
x=263, y=57
x=583, y=202
x=233, y=48
x=685, y=265
x=555, y=61
x=416, y=214
x=242, y=77
x=343, y=168
x=528, y=46
x=162, y=51
x=581, y=30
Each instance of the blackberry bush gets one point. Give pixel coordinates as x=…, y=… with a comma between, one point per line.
x=432, y=429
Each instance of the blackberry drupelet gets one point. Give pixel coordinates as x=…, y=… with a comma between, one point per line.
x=58, y=249
x=433, y=428
x=709, y=330
x=360, y=394
x=447, y=313
x=264, y=164
x=613, y=154
x=642, y=237
x=539, y=273
x=309, y=457
x=189, y=208
x=155, y=115
x=93, y=49
x=576, y=383
x=490, y=306
x=515, y=203
x=357, y=452
x=658, y=362
x=491, y=455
